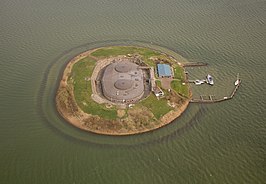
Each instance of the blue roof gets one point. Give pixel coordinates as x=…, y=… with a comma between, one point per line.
x=164, y=70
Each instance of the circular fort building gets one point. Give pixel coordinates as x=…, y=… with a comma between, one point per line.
x=122, y=82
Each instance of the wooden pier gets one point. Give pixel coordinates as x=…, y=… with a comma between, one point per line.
x=194, y=64
x=211, y=98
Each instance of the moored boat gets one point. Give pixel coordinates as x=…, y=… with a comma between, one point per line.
x=209, y=79
x=237, y=80
x=199, y=82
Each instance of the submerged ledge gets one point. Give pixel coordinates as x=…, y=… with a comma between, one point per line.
x=75, y=104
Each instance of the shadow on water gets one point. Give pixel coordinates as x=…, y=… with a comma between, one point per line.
x=86, y=141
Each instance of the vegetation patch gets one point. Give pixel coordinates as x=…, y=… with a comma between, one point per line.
x=158, y=83
x=179, y=73
x=80, y=75
x=158, y=107
x=181, y=88
x=118, y=50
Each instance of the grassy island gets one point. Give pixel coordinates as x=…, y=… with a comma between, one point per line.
x=80, y=100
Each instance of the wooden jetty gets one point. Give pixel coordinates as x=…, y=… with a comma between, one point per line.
x=211, y=98
x=194, y=64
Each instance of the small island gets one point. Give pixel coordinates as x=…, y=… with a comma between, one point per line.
x=122, y=90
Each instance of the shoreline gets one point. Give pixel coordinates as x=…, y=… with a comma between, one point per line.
x=78, y=118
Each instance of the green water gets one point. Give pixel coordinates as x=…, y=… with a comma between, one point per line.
x=214, y=143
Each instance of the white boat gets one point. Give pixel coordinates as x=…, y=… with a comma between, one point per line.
x=199, y=82
x=237, y=80
x=209, y=79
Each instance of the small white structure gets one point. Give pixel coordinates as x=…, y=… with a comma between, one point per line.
x=199, y=82
x=158, y=92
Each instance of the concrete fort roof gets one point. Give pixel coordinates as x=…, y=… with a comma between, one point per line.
x=122, y=81
x=123, y=67
x=123, y=84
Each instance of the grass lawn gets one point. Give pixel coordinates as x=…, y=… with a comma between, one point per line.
x=123, y=50
x=85, y=67
x=150, y=62
x=82, y=90
x=180, y=88
x=157, y=107
x=158, y=83
x=179, y=73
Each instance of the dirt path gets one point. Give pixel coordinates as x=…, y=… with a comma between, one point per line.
x=166, y=83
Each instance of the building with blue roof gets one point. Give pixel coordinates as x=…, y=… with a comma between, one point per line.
x=164, y=70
